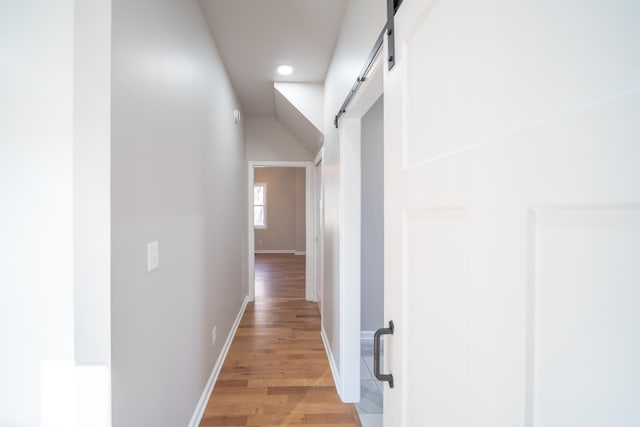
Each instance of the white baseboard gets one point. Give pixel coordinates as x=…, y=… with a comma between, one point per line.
x=332, y=362
x=367, y=335
x=279, y=251
x=208, y=389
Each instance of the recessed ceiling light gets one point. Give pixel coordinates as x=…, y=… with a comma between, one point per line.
x=284, y=70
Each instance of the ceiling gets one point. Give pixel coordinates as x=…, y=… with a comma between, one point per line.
x=255, y=36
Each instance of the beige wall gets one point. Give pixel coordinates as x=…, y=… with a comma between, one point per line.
x=285, y=209
x=178, y=170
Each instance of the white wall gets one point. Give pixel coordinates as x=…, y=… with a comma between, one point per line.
x=178, y=164
x=36, y=200
x=308, y=98
x=285, y=209
x=372, y=202
x=92, y=182
x=361, y=25
x=54, y=218
x=267, y=139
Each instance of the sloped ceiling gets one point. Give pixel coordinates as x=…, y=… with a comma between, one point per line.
x=297, y=123
x=255, y=36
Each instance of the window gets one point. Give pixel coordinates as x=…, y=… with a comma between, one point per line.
x=260, y=205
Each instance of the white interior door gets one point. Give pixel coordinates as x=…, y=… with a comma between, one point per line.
x=512, y=214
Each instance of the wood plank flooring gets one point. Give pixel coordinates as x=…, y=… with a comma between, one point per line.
x=276, y=372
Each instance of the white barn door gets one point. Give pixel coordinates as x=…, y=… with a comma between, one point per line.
x=512, y=214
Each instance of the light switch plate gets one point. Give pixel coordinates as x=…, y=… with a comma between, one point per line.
x=153, y=260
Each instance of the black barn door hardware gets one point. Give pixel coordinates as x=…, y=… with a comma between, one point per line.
x=361, y=77
x=376, y=354
x=389, y=31
x=392, y=7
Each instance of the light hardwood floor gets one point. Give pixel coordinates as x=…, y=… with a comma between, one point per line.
x=276, y=372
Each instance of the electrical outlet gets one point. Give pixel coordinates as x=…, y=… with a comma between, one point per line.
x=213, y=336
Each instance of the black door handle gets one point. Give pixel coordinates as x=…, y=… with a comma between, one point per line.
x=376, y=354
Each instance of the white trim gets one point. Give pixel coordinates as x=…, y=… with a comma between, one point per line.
x=318, y=157
x=309, y=219
x=369, y=92
x=349, y=237
x=332, y=363
x=251, y=232
x=310, y=196
x=196, y=418
x=280, y=163
x=367, y=335
x=318, y=229
x=279, y=251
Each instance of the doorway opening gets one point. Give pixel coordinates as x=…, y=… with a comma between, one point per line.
x=281, y=218
x=372, y=259
x=279, y=224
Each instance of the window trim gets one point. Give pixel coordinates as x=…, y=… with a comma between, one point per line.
x=264, y=206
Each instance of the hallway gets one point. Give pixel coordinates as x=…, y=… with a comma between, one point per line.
x=507, y=240
x=276, y=372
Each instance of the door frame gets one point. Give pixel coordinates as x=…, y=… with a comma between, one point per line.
x=350, y=225
x=310, y=255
